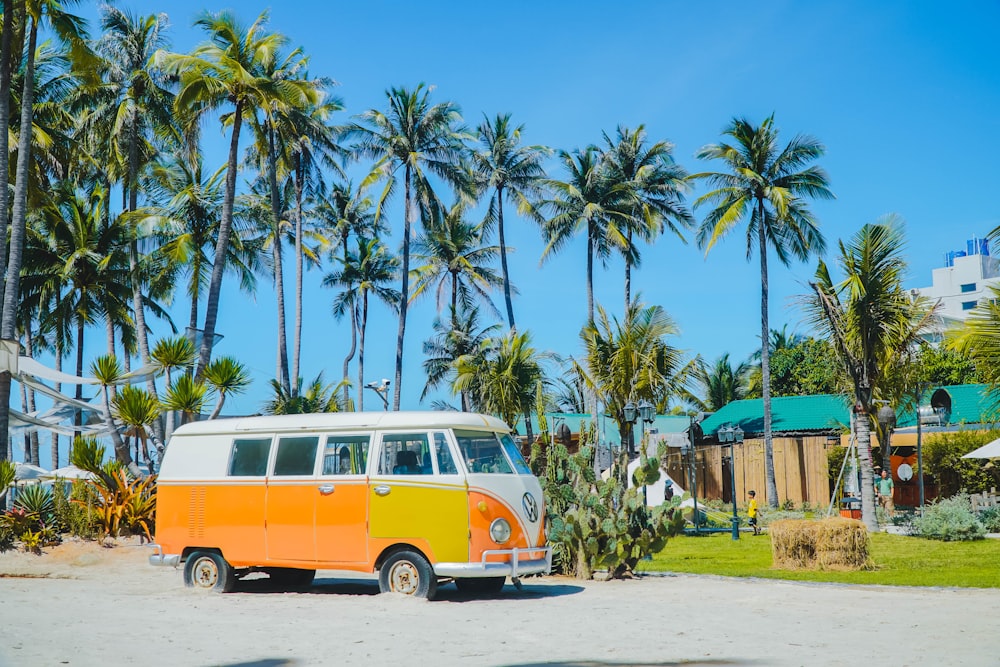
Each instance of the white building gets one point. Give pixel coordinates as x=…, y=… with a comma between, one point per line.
x=962, y=282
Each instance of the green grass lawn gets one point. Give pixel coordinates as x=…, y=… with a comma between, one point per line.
x=901, y=561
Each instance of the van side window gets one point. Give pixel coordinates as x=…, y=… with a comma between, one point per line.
x=482, y=452
x=446, y=464
x=296, y=456
x=346, y=455
x=405, y=454
x=249, y=457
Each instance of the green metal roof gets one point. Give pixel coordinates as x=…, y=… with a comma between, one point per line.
x=970, y=404
x=822, y=412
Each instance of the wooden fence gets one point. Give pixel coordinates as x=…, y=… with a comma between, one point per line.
x=984, y=500
x=800, y=470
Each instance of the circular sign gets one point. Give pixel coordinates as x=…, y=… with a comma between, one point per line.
x=904, y=471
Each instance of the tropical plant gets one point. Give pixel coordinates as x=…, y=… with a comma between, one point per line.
x=978, y=339
x=108, y=371
x=872, y=322
x=123, y=503
x=656, y=186
x=512, y=172
x=364, y=274
x=7, y=473
x=458, y=337
x=766, y=187
x=722, y=383
x=139, y=410
x=949, y=520
x=226, y=376
x=807, y=366
x=186, y=394
x=317, y=397
x=630, y=360
x=229, y=69
x=942, y=459
x=419, y=139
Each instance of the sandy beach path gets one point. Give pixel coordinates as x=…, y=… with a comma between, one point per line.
x=84, y=605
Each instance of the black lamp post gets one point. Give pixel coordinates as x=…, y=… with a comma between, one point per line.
x=630, y=413
x=732, y=435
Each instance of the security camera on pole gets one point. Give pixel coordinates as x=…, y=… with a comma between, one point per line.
x=381, y=387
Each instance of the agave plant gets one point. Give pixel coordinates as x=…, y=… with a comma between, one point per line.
x=37, y=500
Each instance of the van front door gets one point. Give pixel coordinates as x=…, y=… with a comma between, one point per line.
x=342, y=500
x=417, y=494
x=291, y=490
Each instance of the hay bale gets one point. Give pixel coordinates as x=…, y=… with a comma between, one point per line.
x=834, y=543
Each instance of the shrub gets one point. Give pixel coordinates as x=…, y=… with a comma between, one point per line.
x=73, y=509
x=35, y=499
x=990, y=518
x=950, y=520
x=943, y=459
x=834, y=543
x=6, y=537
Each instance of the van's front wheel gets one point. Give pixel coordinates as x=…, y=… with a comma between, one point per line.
x=209, y=571
x=409, y=573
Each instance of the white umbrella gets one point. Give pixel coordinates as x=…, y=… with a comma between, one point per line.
x=69, y=472
x=26, y=471
x=990, y=450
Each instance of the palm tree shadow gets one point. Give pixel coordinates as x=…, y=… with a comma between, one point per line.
x=265, y=662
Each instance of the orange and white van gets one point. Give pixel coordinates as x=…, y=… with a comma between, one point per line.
x=414, y=496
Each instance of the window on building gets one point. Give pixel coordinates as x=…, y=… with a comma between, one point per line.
x=968, y=305
x=969, y=287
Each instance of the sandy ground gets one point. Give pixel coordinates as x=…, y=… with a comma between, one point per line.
x=81, y=604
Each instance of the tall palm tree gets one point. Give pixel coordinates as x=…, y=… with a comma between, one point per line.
x=229, y=69
x=501, y=376
x=630, y=360
x=765, y=186
x=511, y=171
x=367, y=272
x=419, y=139
x=872, y=321
x=587, y=201
x=459, y=337
x=722, y=383
x=978, y=339
x=656, y=185
x=452, y=253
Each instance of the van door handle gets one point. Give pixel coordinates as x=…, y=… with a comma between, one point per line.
x=327, y=489
x=382, y=490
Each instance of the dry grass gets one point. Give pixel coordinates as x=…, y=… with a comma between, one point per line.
x=834, y=543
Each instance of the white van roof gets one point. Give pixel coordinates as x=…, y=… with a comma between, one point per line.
x=344, y=420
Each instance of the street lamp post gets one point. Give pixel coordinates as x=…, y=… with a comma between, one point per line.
x=645, y=412
x=732, y=435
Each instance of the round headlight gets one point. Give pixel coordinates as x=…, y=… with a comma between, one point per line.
x=500, y=530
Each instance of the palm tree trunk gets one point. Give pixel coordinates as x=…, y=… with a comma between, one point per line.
x=297, y=342
x=218, y=406
x=8, y=322
x=5, y=57
x=122, y=452
x=109, y=330
x=222, y=245
x=29, y=351
x=404, y=291
x=279, y=274
x=862, y=428
x=503, y=260
x=54, y=452
x=590, y=277
x=350, y=354
x=628, y=275
x=361, y=351
x=765, y=366
x=79, y=373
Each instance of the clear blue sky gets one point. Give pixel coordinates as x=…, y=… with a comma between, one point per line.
x=905, y=96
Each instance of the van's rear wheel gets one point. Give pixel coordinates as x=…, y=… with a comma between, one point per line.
x=481, y=585
x=209, y=571
x=409, y=573
x=290, y=576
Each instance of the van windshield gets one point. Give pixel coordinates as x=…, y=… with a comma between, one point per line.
x=489, y=453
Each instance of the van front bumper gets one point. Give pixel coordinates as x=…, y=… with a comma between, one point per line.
x=159, y=558
x=522, y=562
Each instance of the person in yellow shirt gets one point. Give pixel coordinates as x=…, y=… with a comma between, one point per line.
x=752, y=512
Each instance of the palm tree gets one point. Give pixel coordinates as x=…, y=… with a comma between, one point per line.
x=108, y=371
x=461, y=336
x=656, y=186
x=978, y=339
x=630, y=360
x=168, y=354
x=452, y=253
x=317, y=397
x=226, y=376
x=872, y=322
x=187, y=396
x=510, y=171
x=765, y=186
x=587, y=202
x=501, y=376
x=419, y=139
x=368, y=272
x=140, y=410
x=229, y=69
x=721, y=382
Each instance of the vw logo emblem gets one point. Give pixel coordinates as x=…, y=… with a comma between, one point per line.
x=530, y=507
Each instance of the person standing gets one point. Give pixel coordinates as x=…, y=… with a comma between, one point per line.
x=883, y=491
x=752, y=512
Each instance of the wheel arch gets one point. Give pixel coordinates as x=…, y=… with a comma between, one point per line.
x=394, y=548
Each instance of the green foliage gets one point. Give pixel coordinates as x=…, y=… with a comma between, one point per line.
x=949, y=520
x=121, y=504
x=942, y=454
x=74, y=509
x=942, y=366
x=7, y=472
x=599, y=524
x=990, y=518
x=35, y=499
x=6, y=537
x=808, y=366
